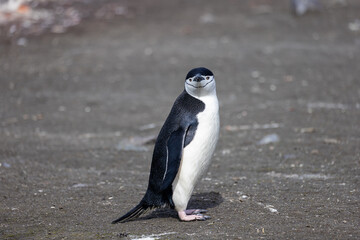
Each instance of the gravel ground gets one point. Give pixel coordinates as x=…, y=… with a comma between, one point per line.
x=80, y=109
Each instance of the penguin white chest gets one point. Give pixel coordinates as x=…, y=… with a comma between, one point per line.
x=197, y=154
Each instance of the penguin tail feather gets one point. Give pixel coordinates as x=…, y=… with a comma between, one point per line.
x=140, y=209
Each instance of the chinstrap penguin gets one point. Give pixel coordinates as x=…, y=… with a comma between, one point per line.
x=183, y=149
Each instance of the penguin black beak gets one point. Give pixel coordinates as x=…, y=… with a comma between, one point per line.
x=198, y=78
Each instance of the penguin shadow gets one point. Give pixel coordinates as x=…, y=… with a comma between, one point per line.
x=203, y=200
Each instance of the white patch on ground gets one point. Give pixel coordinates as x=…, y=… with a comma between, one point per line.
x=255, y=126
x=68, y=136
x=151, y=236
x=324, y=105
x=80, y=185
x=269, y=207
x=299, y=176
x=207, y=18
x=271, y=138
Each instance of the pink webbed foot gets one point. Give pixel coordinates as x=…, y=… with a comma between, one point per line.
x=192, y=215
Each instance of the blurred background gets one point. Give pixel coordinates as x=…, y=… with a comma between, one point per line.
x=85, y=86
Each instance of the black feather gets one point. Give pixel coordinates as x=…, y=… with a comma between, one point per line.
x=141, y=208
x=175, y=149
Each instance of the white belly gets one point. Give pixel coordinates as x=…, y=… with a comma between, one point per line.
x=197, y=155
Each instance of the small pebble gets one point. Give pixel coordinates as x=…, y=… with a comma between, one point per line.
x=315, y=152
x=255, y=74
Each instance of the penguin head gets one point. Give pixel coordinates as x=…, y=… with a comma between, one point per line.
x=200, y=82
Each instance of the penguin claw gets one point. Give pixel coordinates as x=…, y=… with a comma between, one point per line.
x=195, y=211
x=203, y=217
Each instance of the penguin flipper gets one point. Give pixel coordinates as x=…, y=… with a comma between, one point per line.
x=141, y=208
x=175, y=146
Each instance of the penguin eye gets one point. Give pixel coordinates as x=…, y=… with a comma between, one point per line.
x=190, y=79
x=207, y=78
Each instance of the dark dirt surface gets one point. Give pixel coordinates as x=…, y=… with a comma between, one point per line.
x=70, y=103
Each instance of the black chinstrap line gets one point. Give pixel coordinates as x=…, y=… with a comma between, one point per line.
x=200, y=86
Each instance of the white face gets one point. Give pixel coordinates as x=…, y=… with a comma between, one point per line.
x=200, y=85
